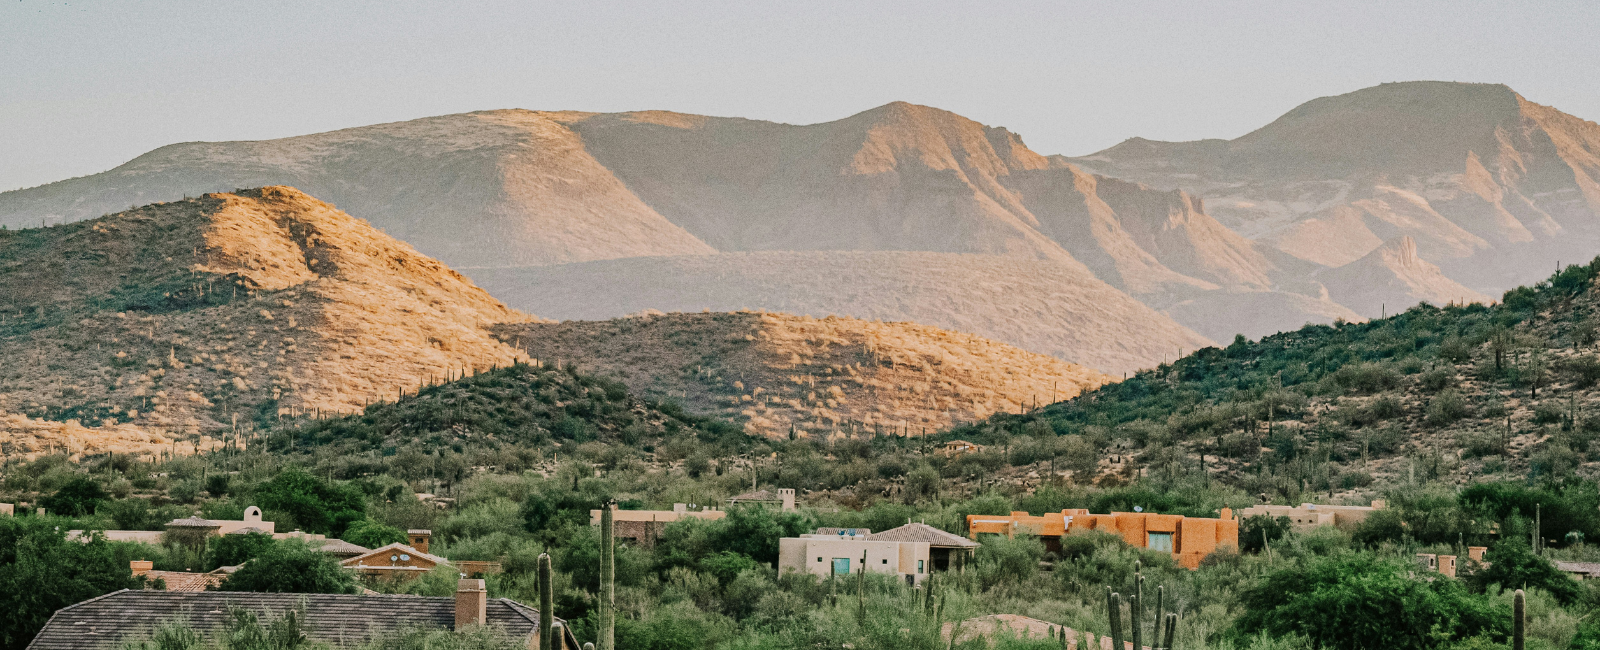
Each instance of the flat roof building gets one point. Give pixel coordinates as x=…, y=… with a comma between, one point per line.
x=1188, y=539
x=1311, y=515
x=643, y=527
x=844, y=554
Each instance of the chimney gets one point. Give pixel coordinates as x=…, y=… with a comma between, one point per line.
x=141, y=567
x=1227, y=513
x=787, y=494
x=472, y=603
x=417, y=538
x=1447, y=565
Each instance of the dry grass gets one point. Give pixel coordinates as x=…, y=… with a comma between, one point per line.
x=818, y=376
x=25, y=438
x=180, y=317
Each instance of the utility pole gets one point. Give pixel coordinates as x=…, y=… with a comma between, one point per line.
x=608, y=576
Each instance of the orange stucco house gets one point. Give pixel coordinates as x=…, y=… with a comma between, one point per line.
x=1188, y=539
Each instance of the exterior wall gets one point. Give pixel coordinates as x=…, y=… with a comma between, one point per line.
x=1192, y=537
x=895, y=558
x=252, y=519
x=644, y=527
x=1311, y=515
x=413, y=563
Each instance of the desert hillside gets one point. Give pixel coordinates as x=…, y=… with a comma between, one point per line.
x=780, y=372
x=1037, y=305
x=517, y=188
x=187, y=316
x=1492, y=188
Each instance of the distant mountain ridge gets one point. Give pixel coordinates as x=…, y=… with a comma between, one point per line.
x=1491, y=187
x=1223, y=236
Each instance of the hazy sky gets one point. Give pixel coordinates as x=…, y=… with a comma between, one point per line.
x=85, y=86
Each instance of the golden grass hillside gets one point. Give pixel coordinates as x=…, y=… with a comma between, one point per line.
x=780, y=372
x=185, y=316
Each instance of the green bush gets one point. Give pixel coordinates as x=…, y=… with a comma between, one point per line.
x=290, y=566
x=1356, y=601
x=78, y=498
x=372, y=534
x=41, y=572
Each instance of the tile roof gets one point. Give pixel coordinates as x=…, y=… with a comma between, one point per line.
x=247, y=530
x=922, y=533
x=193, y=522
x=184, y=581
x=1587, y=568
x=340, y=547
x=339, y=619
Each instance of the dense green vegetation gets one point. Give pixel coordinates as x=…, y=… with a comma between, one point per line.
x=507, y=464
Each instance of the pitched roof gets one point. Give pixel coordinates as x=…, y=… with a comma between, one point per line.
x=248, y=530
x=340, y=619
x=185, y=581
x=340, y=547
x=922, y=533
x=403, y=548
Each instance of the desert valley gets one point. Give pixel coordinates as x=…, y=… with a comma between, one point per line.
x=755, y=343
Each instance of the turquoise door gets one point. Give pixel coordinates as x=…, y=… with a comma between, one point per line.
x=841, y=566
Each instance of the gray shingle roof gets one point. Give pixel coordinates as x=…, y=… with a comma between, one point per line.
x=1587, y=568
x=922, y=533
x=339, y=619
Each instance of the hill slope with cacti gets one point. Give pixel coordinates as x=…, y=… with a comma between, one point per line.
x=1447, y=393
x=183, y=317
x=780, y=373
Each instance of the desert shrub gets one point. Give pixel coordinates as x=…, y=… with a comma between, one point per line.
x=1455, y=350
x=79, y=497
x=1549, y=413
x=1437, y=379
x=1446, y=408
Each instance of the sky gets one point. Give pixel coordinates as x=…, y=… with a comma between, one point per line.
x=88, y=85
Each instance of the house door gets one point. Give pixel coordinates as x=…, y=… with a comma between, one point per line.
x=841, y=566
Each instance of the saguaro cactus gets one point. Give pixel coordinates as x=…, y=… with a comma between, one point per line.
x=608, y=576
x=1114, y=609
x=1136, y=619
x=547, y=597
x=1161, y=614
x=1172, y=631
x=1519, y=620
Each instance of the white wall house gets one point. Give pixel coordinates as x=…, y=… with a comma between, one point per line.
x=844, y=554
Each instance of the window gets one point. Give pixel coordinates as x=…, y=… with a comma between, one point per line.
x=919, y=566
x=886, y=561
x=819, y=559
x=1160, y=542
x=841, y=566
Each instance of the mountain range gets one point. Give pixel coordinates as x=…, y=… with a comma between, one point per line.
x=1345, y=208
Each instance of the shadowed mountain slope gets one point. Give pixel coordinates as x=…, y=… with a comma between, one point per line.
x=778, y=373
x=1037, y=305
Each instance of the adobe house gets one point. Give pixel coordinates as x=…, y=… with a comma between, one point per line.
x=1311, y=515
x=955, y=448
x=1188, y=539
x=946, y=551
x=335, y=619
x=845, y=553
x=643, y=527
